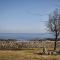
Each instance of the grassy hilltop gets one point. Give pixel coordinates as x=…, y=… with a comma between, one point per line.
x=30, y=54
x=27, y=50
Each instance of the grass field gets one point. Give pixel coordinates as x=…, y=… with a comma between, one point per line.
x=25, y=54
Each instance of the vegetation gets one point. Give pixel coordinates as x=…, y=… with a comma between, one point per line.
x=54, y=25
x=26, y=54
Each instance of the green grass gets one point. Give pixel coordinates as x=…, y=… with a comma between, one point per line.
x=26, y=54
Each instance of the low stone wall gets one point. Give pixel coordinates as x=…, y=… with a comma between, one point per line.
x=7, y=44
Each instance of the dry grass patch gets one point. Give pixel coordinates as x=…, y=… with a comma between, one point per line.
x=26, y=55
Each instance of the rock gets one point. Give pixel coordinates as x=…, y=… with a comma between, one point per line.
x=45, y=50
x=52, y=52
x=55, y=53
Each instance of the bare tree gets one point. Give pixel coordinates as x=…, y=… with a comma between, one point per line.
x=54, y=25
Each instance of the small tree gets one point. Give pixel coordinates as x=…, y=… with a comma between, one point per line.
x=54, y=25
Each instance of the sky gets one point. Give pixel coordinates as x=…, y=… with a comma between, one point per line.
x=25, y=16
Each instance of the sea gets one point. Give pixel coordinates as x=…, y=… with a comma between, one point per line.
x=25, y=36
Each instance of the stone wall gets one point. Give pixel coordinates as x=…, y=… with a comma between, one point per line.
x=7, y=44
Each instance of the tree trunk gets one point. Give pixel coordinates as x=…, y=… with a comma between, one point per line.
x=55, y=41
x=55, y=45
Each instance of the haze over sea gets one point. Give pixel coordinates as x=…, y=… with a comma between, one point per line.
x=25, y=36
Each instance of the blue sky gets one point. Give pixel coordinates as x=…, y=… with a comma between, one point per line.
x=25, y=16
